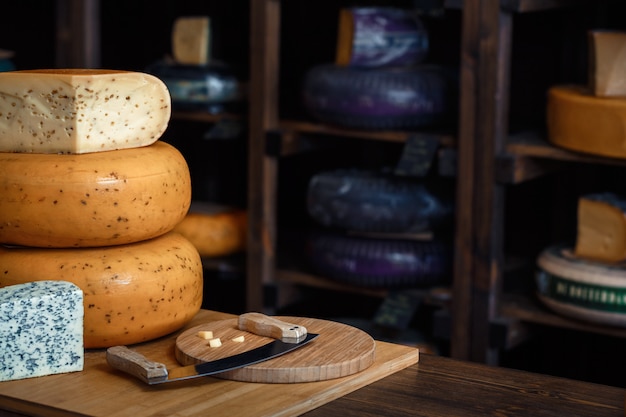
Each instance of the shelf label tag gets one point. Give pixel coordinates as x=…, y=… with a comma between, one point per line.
x=417, y=155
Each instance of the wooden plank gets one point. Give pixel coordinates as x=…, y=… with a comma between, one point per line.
x=263, y=116
x=100, y=390
x=78, y=34
x=443, y=387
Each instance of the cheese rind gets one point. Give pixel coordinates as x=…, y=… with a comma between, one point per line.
x=81, y=110
x=132, y=293
x=607, y=63
x=601, y=228
x=41, y=329
x=95, y=199
x=579, y=121
x=214, y=231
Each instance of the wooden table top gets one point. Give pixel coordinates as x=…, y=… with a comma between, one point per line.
x=396, y=385
x=438, y=386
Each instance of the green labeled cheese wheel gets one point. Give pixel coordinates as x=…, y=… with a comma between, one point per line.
x=132, y=293
x=94, y=199
x=582, y=289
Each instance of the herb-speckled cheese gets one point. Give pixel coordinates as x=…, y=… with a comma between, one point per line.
x=96, y=199
x=41, y=329
x=81, y=110
x=132, y=293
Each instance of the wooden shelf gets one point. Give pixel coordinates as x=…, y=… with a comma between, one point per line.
x=437, y=296
x=530, y=310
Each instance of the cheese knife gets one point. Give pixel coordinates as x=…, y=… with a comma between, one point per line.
x=288, y=337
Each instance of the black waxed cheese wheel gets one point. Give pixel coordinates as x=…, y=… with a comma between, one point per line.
x=379, y=263
x=373, y=201
x=380, y=98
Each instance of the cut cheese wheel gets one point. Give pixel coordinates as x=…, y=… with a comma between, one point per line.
x=579, y=121
x=132, y=293
x=191, y=40
x=601, y=229
x=607, y=62
x=214, y=230
x=582, y=289
x=80, y=110
x=95, y=199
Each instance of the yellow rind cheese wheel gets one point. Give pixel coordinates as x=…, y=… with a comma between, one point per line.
x=579, y=121
x=221, y=233
x=132, y=293
x=95, y=199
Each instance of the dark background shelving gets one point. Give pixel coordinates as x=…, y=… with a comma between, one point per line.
x=539, y=184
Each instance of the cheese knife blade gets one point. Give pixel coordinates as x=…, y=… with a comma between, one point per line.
x=288, y=338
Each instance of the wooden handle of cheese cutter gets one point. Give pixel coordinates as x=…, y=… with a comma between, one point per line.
x=263, y=325
x=131, y=362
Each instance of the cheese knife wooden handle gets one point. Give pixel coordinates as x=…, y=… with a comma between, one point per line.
x=263, y=325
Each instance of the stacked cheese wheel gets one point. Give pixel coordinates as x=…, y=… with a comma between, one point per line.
x=90, y=195
x=590, y=118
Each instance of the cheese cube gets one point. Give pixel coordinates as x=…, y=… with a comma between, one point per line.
x=607, y=63
x=215, y=342
x=81, y=110
x=205, y=334
x=601, y=229
x=41, y=329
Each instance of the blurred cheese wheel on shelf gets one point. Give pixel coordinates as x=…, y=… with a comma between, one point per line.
x=607, y=62
x=81, y=110
x=214, y=230
x=132, y=293
x=581, y=289
x=579, y=121
x=95, y=199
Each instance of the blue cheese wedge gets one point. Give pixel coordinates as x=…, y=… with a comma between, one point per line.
x=81, y=110
x=41, y=329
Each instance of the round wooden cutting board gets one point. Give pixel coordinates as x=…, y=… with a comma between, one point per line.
x=338, y=351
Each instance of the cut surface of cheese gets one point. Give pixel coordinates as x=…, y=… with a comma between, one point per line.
x=80, y=110
x=214, y=230
x=607, y=63
x=191, y=36
x=132, y=293
x=601, y=228
x=579, y=288
x=579, y=121
x=95, y=199
x=41, y=329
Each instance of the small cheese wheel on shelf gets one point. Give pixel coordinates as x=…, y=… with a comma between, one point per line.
x=579, y=121
x=582, y=289
x=81, y=110
x=601, y=228
x=214, y=230
x=132, y=293
x=95, y=199
x=607, y=63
